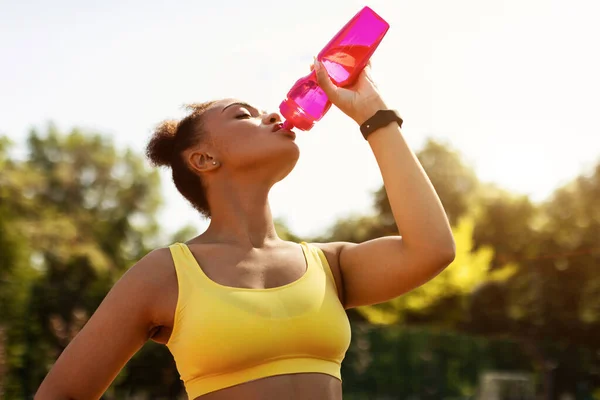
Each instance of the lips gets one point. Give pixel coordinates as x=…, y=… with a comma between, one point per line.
x=288, y=133
x=279, y=127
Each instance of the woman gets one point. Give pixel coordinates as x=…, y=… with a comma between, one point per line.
x=245, y=314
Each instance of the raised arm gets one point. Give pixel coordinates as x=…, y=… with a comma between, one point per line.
x=116, y=331
x=384, y=268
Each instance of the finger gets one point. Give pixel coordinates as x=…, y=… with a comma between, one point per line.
x=367, y=71
x=324, y=81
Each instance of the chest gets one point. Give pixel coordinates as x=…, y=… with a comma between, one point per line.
x=259, y=270
x=252, y=269
x=235, y=326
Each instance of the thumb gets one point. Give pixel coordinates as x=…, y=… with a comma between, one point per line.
x=324, y=80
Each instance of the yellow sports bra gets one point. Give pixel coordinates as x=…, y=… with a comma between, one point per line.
x=223, y=336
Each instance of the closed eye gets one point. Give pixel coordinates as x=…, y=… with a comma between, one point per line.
x=244, y=115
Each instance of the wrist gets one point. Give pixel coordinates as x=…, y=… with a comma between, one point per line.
x=369, y=109
x=381, y=119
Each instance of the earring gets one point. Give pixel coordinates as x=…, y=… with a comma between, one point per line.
x=214, y=163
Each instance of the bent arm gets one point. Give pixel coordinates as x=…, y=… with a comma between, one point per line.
x=382, y=269
x=115, y=332
x=417, y=209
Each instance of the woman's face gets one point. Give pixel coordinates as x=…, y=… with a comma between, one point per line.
x=243, y=137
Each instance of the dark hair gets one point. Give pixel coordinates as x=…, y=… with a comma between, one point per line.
x=170, y=139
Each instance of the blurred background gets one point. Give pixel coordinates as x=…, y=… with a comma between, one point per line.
x=500, y=101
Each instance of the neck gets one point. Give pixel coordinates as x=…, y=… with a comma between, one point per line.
x=240, y=212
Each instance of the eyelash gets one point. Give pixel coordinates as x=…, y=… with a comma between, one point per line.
x=245, y=115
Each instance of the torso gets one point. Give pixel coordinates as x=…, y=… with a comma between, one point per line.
x=256, y=269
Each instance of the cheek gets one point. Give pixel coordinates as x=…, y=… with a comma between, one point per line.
x=262, y=150
x=231, y=145
x=240, y=147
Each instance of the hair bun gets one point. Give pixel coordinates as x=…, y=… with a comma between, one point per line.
x=161, y=148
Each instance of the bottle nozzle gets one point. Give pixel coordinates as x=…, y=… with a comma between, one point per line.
x=287, y=125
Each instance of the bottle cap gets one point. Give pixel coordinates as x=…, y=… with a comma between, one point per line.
x=295, y=117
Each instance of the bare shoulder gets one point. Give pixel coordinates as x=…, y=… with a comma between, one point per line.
x=154, y=262
x=156, y=273
x=115, y=332
x=154, y=267
x=151, y=272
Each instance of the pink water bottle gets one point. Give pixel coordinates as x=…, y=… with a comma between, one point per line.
x=344, y=57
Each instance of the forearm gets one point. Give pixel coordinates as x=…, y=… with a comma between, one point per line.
x=416, y=207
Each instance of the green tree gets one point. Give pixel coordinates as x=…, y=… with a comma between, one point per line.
x=551, y=302
x=87, y=212
x=16, y=275
x=509, y=223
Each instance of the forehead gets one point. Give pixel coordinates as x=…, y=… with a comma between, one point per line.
x=221, y=104
x=215, y=111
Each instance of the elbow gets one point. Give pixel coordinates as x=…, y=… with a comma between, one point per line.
x=434, y=258
x=446, y=248
x=447, y=253
x=442, y=255
x=437, y=261
x=438, y=252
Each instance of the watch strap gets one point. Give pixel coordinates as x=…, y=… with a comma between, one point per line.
x=380, y=119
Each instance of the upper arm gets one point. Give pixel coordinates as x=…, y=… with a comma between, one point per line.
x=382, y=269
x=115, y=332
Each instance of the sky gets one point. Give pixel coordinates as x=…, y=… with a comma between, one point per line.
x=513, y=85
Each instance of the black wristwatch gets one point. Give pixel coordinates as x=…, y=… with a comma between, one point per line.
x=379, y=120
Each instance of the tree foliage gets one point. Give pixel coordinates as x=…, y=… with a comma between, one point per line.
x=78, y=213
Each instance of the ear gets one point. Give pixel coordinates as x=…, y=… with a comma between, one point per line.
x=201, y=161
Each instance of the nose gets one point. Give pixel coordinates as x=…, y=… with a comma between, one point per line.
x=271, y=118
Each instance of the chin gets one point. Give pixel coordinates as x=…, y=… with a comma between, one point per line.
x=287, y=163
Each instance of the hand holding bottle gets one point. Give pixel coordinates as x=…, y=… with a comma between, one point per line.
x=343, y=60
x=359, y=101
